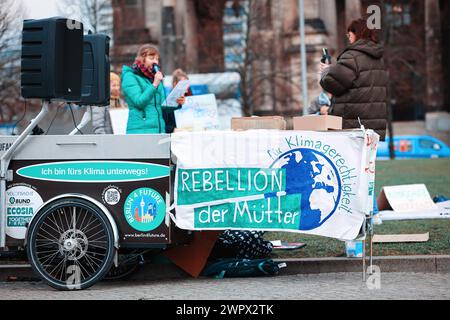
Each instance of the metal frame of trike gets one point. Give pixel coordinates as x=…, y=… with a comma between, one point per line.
x=5, y=175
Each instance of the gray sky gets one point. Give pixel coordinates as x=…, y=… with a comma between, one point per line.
x=38, y=9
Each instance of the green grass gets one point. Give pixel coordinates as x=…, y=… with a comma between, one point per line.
x=434, y=173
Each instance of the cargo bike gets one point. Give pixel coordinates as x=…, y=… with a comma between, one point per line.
x=82, y=206
x=75, y=201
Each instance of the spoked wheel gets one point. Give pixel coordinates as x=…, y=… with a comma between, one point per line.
x=70, y=244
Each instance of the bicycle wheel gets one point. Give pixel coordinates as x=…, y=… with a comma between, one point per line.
x=70, y=244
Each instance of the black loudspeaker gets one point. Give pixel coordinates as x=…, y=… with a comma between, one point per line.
x=96, y=68
x=52, y=57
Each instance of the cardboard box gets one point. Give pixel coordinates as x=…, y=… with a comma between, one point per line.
x=317, y=123
x=247, y=123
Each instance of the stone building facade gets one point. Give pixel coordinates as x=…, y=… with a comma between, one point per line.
x=190, y=34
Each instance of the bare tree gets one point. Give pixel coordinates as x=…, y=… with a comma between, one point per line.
x=402, y=53
x=9, y=60
x=264, y=81
x=210, y=43
x=96, y=15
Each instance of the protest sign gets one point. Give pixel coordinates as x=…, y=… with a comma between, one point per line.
x=198, y=113
x=406, y=198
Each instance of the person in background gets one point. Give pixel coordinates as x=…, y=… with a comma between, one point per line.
x=144, y=93
x=321, y=105
x=168, y=114
x=358, y=81
x=101, y=120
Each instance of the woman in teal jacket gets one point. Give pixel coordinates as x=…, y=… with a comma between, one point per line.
x=144, y=93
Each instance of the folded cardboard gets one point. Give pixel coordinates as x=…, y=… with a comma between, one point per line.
x=391, y=238
x=405, y=198
x=248, y=123
x=317, y=123
x=193, y=257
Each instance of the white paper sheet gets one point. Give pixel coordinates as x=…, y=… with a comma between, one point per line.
x=179, y=90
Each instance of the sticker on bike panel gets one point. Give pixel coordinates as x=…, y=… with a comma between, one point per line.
x=21, y=205
x=144, y=209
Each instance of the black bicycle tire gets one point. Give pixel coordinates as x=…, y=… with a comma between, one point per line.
x=32, y=232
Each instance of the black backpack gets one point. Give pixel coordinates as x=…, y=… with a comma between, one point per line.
x=242, y=268
x=242, y=244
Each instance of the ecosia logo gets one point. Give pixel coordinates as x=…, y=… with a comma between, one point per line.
x=22, y=204
x=320, y=174
x=144, y=209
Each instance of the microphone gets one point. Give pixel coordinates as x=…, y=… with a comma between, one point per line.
x=156, y=68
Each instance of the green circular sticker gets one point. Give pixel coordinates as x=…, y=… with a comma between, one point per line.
x=144, y=209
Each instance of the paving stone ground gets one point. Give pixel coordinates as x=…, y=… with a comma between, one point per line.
x=314, y=286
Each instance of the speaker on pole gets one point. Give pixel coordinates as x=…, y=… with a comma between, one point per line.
x=96, y=68
x=52, y=58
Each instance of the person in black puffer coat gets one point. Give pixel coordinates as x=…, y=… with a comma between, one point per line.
x=358, y=81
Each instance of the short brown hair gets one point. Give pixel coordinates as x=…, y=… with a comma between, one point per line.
x=361, y=30
x=177, y=75
x=145, y=51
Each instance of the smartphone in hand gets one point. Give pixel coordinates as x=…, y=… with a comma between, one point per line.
x=326, y=57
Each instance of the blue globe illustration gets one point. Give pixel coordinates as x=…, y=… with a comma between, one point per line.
x=315, y=177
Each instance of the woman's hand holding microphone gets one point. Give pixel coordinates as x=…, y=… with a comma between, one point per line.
x=158, y=78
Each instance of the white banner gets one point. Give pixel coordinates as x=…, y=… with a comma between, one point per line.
x=119, y=120
x=295, y=181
